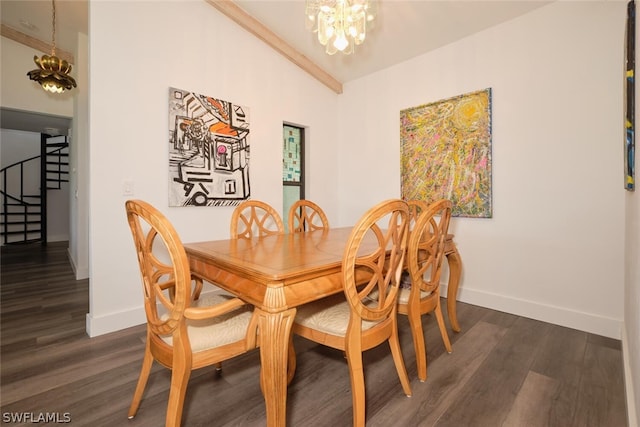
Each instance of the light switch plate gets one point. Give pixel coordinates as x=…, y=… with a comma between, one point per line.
x=127, y=187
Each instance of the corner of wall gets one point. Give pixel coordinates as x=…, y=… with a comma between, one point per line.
x=587, y=322
x=80, y=273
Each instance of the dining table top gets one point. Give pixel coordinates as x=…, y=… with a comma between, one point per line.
x=304, y=266
x=278, y=257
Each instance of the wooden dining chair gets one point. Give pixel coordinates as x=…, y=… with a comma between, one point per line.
x=353, y=321
x=183, y=333
x=424, y=264
x=305, y=215
x=254, y=218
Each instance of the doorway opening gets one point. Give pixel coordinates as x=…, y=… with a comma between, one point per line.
x=293, y=168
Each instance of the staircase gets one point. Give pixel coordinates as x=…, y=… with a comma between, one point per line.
x=24, y=202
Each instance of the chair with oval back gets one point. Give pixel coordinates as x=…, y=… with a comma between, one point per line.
x=183, y=333
x=425, y=253
x=305, y=215
x=364, y=314
x=254, y=218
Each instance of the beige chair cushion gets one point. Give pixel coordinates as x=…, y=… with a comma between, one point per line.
x=329, y=315
x=218, y=331
x=403, y=295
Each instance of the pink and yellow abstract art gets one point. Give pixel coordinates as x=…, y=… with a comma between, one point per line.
x=446, y=153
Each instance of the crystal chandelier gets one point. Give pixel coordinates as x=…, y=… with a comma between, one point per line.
x=340, y=24
x=52, y=72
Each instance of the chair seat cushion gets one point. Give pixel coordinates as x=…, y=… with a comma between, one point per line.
x=403, y=295
x=329, y=315
x=218, y=331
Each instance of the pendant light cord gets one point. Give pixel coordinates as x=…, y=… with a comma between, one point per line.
x=53, y=24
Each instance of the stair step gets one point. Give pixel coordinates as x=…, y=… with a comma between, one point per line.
x=14, y=233
x=23, y=232
x=22, y=213
x=57, y=144
x=27, y=204
x=22, y=242
x=11, y=223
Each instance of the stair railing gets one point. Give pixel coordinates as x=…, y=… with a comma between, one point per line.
x=22, y=213
x=25, y=215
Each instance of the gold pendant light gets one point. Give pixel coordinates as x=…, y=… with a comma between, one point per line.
x=52, y=72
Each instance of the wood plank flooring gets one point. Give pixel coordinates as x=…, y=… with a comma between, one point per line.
x=505, y=370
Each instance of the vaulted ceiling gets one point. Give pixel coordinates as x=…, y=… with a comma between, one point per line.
x=402, y=30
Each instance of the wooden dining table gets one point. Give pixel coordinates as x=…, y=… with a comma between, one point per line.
x=276, y=274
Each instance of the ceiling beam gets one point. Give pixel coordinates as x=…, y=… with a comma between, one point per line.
x=255, y=27
x=34, y=43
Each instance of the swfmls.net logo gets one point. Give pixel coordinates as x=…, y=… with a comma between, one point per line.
x=36, y=417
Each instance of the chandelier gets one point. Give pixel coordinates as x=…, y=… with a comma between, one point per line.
x=340, y=24
x=52, y=72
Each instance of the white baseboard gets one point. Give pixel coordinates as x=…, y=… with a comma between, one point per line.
x=632, y=411
x=598, y=325
x=114, y=322
x=80, y=273
x=587, y=322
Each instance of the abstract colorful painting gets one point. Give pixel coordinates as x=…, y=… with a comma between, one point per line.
x=208, y=150
x=446, y=153
x=629, y=139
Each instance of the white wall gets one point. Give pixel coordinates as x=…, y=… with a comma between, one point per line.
x=554, y=247
x=19, y=145
x=187, y=45
x=79, y=166
x=631, y=336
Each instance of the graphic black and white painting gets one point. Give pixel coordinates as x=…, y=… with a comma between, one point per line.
x=208, y=150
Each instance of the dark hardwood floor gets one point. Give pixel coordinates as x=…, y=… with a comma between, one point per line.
x=505, y=370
